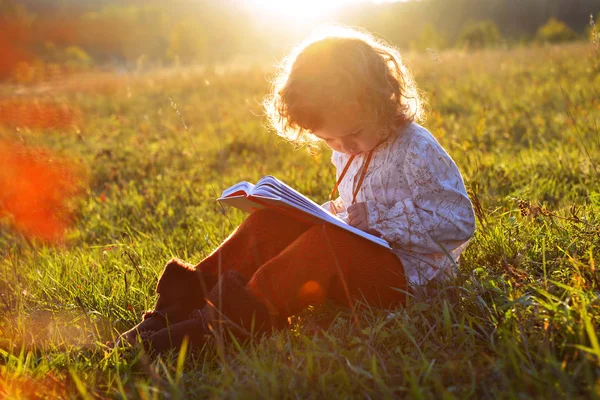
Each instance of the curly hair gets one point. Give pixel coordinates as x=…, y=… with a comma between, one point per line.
x=341, y=69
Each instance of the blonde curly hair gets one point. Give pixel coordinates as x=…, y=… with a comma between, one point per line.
x=340, y=69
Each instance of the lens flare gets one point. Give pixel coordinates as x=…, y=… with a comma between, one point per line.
x=37, y=115
x=311, y=293
x=37, y=191
x=14, y=38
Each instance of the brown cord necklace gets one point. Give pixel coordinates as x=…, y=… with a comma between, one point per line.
x=360, y=180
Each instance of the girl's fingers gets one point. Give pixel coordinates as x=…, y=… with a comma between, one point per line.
x=355, y=214
x=359, y=223
x=357, y=217
x=357, y=209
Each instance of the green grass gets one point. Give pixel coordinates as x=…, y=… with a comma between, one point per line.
x=521, y=321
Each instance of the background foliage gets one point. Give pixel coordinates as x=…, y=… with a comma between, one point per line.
x=125, y=35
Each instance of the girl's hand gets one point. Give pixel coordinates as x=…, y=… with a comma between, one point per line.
x=357, y=215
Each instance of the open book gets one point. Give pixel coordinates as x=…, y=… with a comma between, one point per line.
x=269, y=192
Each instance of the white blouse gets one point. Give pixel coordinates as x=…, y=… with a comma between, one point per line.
x=416, y=199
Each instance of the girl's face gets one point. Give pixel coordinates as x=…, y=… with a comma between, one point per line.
x=349, y=134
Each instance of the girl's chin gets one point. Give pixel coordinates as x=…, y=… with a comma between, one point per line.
x=351, y=153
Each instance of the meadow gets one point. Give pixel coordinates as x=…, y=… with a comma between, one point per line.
x=156, y=149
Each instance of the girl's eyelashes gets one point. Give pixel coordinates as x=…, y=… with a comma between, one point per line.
x=350, y=135
x=356, y=133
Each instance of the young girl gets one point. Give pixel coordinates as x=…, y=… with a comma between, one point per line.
x=353, y=93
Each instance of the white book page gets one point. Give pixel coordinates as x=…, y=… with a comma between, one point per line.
x=278, y=203
x=243, y=186
x=271, y=188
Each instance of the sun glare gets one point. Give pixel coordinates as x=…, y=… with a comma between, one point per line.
x=301, y=11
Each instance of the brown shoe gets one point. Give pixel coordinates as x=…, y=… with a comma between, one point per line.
x=239, y=311
x=181, y=289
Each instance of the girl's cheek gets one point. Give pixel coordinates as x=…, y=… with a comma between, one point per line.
x=333, y=146
x=337, y=145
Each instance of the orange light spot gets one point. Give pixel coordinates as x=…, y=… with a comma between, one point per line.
x=14, y=39
x=37, y=115
x=37, y=189
x=311, y=293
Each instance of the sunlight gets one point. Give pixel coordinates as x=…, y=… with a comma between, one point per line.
x=300, y=10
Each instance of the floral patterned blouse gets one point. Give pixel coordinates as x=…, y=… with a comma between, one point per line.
x=416, y=199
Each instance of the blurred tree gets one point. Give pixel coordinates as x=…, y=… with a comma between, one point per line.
x=187, y=42
x=148, y=36
x=14, y=10
x=402, y=21
x=477, y=35
x=75, y=57
x=150, y=32
x=15, y=37
x=103, y=35
x=555, y=31
x=429, y=38
x=125, y=33
x=72, y=56
x=525, y=39
x=61, y=30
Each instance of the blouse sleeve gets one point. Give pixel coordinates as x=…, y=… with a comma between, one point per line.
x=438, y=217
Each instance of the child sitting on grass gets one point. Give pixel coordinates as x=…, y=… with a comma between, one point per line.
x=354, y=93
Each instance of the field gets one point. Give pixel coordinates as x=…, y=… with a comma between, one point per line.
x=155, y=150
